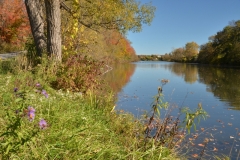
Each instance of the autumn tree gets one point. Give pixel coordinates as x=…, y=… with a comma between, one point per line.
x=53, y=18
x=223, y=47
x=120, y=46
x=178, y=54
x=191, y=50
x=91, y=14
x=206, y=53
x=14, y=26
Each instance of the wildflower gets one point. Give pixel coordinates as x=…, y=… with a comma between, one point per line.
x=42, y=124
x=44, y=92
x=31, y=113
x=31, y=109
x=38, y=85
x=15, y=89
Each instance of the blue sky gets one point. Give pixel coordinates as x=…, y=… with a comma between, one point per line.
x=177, y=22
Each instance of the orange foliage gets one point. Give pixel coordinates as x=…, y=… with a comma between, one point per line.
x=14, y=24
x=118, y=40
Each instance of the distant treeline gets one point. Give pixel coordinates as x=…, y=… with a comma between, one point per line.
x=149, y=57
x=223, y=48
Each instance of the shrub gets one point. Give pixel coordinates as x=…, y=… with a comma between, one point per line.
x=14, y=26
x=79, y=74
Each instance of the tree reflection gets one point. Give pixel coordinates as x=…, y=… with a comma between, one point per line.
x=117, y=78
x=188, y=71
x=223, y=83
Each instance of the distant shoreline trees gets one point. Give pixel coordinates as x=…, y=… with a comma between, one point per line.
x=223, y=48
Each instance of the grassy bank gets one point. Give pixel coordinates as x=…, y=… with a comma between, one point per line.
x=38, y=122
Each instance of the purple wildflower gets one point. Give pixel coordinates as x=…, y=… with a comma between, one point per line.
x=42, y=124
x=31, y=109
x=44, y=92
x=31, y=113
x=15, y=89
x=38, y=85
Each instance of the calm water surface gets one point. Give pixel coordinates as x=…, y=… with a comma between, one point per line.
x=216, y=88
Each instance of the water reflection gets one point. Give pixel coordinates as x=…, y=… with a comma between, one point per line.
x=217, y=88
x=119, y=76
x=189, y=72
x=223, y=83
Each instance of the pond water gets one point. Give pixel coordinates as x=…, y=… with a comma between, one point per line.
x=216, y=88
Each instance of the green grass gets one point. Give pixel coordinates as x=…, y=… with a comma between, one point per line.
x=79, y=127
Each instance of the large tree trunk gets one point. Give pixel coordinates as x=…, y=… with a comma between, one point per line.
x=54, y=41
x=35, y=15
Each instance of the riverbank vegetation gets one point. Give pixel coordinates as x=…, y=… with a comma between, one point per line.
x=39, y=121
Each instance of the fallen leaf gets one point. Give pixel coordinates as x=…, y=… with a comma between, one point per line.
x=201, y=145
x=190, y=139
x=231, y=137
x=215, y=149
x=193, y=144
x=230, y=124
x=195, y=136
x=211, y=140
x=195, y=155
x=202, y=129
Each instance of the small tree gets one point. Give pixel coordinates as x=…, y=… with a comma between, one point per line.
x=191, y=50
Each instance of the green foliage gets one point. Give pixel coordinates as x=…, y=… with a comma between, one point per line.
x=79, y=74
x=224, y=47
x=19, y=128
x=98, y=28
x=191, y=116
x=191, y=50
x=206, y=53
x=7, y=48
x=31, y=55
x=7, y=67
x=149, y=57
x=120, y=15
x=178, y=54
x=78, y=127
x=169, y=131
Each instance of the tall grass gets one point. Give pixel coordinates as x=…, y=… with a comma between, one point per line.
x=78, y=126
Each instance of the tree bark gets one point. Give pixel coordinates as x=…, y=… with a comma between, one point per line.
x=35, y=15
x=54, y=41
